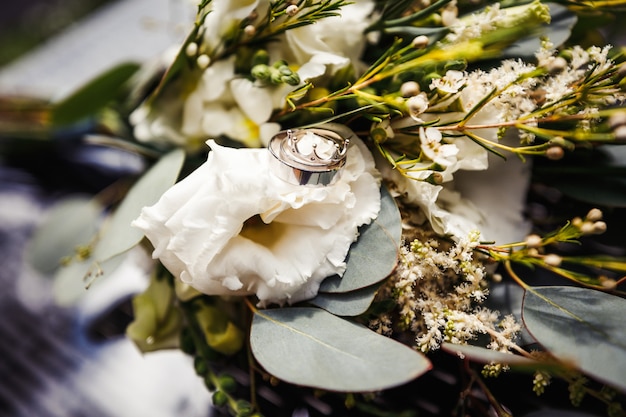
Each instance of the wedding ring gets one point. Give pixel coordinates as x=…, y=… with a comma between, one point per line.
x=308, y=156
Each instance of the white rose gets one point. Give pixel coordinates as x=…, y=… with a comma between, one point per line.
x=232, y=227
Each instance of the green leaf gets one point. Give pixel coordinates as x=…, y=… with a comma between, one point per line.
x=352, y=303
x=311, y=347
x=72, y=281
x=580, y=325
x=375, y=254
x=72, y=222
x=119, y=236
x=94, y=95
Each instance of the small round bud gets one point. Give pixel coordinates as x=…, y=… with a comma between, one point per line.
x=200, y=365
x=496, y=277
x=219, y=398
x=599, y=227
x=617, y=119
x=291, y=79
x=555, y=153
x=608, y=283
x=587, y=228
x=191, y=49
x=435, y=178
x=417, y=105
x=552, y=259
x=409, y=88
x=577, y=222
x=420, y=42
x=291, y=10
x=594, y=215
x=261, y=72
x=533, y=252
x=249, y=30
x=227, y=383
x=203, y=61
x=533, y=241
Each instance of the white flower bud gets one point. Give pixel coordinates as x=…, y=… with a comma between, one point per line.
x=417, y=105
x=291, y=10
x=533, y=241
x=555, y=153
x=587, y=228
x=420, y=42
x=203, y=61
x=409, y=88
x=599, y=228
x=249, y=30
x=191, y=49
x=552, y=259
x=594, y=215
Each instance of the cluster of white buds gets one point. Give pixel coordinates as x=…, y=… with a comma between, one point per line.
x=592, y=224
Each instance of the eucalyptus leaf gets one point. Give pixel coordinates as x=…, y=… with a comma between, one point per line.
x=94, y=95
x=311, y=347
x=375, y=253
x=350, y=303
x=580, y=325
x=70, y=223
x=119, y=236
x=72, y=281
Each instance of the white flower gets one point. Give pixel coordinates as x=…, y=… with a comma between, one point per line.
x=231, y=227
x=331, y=43
x=430, y=143
x=450, y=83
x=417, y=105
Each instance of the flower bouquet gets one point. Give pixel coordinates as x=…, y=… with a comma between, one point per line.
x=340, y=198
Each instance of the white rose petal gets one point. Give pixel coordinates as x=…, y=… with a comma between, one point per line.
x=231, y=227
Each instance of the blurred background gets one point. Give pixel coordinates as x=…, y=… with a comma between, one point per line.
x=74, y=360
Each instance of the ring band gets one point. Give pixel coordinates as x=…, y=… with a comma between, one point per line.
x=308, y=156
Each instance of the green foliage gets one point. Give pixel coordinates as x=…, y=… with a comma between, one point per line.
x=318, y=349
x=580, y=325
x=94, y=96
x=374, y=255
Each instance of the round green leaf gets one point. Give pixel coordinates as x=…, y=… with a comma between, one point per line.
x=580, y=325
x=119, y=236
x=350, y=303
x=375, y=253
x=69, y=224
x=311, y=347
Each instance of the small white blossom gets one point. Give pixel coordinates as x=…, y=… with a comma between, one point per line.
x=432, y=146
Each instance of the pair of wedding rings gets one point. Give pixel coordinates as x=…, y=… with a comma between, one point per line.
x=308, y=156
